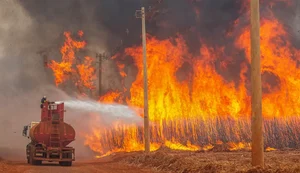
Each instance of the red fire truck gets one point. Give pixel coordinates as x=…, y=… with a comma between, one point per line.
x=49, y=137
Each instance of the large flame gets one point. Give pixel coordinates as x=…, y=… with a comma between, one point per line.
x=279, y=59
x=83, y=73
x=86, y=73
x=200, y=107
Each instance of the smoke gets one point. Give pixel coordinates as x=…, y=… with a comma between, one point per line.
x=23, y=79
x=109, y=20
x=15, y=27
x=21, y=75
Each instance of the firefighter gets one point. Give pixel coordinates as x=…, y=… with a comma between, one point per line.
x=44, y=99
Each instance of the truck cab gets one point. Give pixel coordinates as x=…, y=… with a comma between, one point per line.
x=27, y=128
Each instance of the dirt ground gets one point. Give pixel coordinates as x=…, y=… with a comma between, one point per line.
x=287, y=161
x=98, y=166
x=165, y=160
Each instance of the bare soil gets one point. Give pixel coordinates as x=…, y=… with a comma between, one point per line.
x=95, y=166
x=217, y=162
x=166, y=160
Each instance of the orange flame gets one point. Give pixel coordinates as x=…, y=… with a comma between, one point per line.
x=268, y=149
x=204, y=108
x=110, y=97
x=69, y=68
x=178, y=146
x=178, y=107
x=87, y=73
x=278, y=55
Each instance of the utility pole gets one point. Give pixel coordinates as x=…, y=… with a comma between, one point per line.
x=100, y=56
x=44, y=54
x=256, y=89
x=146, y=116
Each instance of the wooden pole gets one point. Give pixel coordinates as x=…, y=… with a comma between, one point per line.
x=100, y=76
x=146, y=116
x=256, y=89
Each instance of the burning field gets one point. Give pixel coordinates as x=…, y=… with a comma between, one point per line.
x=197, y=101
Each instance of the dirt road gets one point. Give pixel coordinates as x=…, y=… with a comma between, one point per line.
x=78, y=167
x=110, y=164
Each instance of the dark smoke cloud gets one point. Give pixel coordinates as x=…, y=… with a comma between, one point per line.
x=165, y=17
x=108, y=20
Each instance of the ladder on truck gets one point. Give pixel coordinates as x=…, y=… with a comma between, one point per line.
x=55, y=141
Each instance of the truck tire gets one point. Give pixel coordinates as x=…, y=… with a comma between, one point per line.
x=35, y=162
x=69, y=163
x=65, y=163
x=31, y=156
x=28, y=154
x=38, y=162
x=31, y=160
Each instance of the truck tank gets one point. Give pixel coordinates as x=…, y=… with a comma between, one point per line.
x=41, y=133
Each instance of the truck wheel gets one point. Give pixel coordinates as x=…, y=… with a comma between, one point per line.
x=69, y=163
x=65, y=163
x=28, y=154
x=38, y=162
x=34, y=162
x=31, y=161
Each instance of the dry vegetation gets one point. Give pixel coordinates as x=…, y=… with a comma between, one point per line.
x=216, y=162
x=166, y=160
